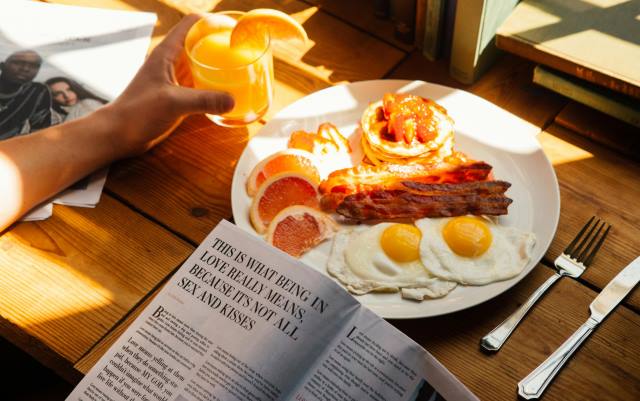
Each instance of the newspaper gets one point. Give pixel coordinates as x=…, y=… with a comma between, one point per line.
x=79, y=58
x=241, y=320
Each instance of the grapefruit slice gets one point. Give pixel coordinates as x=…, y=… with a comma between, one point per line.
x=297, y=229
x=289, y=160
x=255, y=24
x=278, y=192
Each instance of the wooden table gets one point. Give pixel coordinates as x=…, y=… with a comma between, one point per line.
x=65, y=288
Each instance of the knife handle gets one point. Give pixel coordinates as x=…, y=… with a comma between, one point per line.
x=537, y=381
x=498, y=336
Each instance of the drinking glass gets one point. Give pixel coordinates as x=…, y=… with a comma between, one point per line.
x=244, y=71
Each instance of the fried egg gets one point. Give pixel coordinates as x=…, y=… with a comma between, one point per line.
x=384, y=258
x=473, y=250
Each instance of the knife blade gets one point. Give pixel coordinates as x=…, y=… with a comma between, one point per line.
x=615, y=291
x=537, y=381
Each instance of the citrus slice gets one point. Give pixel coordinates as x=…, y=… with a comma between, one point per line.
x=278, y=192
x=289, y=160
x=312, y=143
x=297, y=229
x=255, y=24
x=208, y=24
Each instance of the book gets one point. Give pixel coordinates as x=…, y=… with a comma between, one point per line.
x=420, y=22
x=595, y=41
x=434, y=29
x=609, y=102
x=80, y=58
x=403, y=17
x=241, y=320
x=473, y=49
x=449, y=21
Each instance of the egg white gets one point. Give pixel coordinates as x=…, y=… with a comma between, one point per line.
x=358, y=261
x=509, y=253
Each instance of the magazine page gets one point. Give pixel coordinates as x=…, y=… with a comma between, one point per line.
x=371, y=360
x=62, y=62
x=240, y=320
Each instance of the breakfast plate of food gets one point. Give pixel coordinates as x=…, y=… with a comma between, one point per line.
x=417, y=198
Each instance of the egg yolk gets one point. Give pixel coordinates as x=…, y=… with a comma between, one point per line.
x=467, y=236
x=401, y=242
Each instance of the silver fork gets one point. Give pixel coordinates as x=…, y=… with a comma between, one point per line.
x=572, y=262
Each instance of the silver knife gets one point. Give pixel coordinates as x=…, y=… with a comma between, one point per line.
x=537, y=381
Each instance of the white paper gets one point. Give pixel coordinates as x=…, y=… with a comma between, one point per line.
x=41, y=212
x=241, y=320
x=85, y=197
x=100, y=49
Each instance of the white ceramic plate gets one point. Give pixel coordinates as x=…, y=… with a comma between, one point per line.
x=483, y=131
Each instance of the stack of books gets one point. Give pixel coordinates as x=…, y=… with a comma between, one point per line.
x=588, y=52
x=462, y=31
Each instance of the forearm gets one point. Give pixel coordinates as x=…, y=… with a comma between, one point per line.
x=35, y=167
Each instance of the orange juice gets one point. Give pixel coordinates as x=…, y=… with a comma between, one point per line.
x=244, y=71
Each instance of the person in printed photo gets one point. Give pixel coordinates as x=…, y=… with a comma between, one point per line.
x=141, y=117
x=25, y=105
x=71, y=100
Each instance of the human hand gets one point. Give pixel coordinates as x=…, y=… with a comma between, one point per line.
x=154, y=104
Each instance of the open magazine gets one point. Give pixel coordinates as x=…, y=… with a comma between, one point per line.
x=241, y=320
x=59, y=63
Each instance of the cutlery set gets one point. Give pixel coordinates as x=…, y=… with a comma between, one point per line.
x=572, y=262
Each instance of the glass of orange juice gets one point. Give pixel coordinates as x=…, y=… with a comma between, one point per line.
x=244, y=70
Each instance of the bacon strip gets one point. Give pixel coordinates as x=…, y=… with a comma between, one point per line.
x=420, y=200
x=366, y=178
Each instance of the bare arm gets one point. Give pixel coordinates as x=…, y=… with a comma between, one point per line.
x=35, y=167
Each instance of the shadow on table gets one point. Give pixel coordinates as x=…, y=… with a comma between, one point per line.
x=21, y=372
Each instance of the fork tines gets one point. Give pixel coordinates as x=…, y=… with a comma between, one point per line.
x=582, y=253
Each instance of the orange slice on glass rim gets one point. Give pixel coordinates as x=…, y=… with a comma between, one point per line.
x=253, y=25
x=297, y=229
x=281, y=191
x=289, y=160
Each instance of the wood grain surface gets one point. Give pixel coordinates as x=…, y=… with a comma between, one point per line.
x=622, y=137
x=595, y=180
x=68, y=280
x=360, y=13
x=607, y=367
x=84, y=364
x=73, y=283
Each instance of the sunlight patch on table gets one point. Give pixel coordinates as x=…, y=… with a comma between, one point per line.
x=560, y=151
x=42, y=288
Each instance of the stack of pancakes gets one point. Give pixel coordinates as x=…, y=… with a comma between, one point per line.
x=380, y=147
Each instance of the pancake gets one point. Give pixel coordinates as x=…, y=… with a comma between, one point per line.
x=380, y=146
